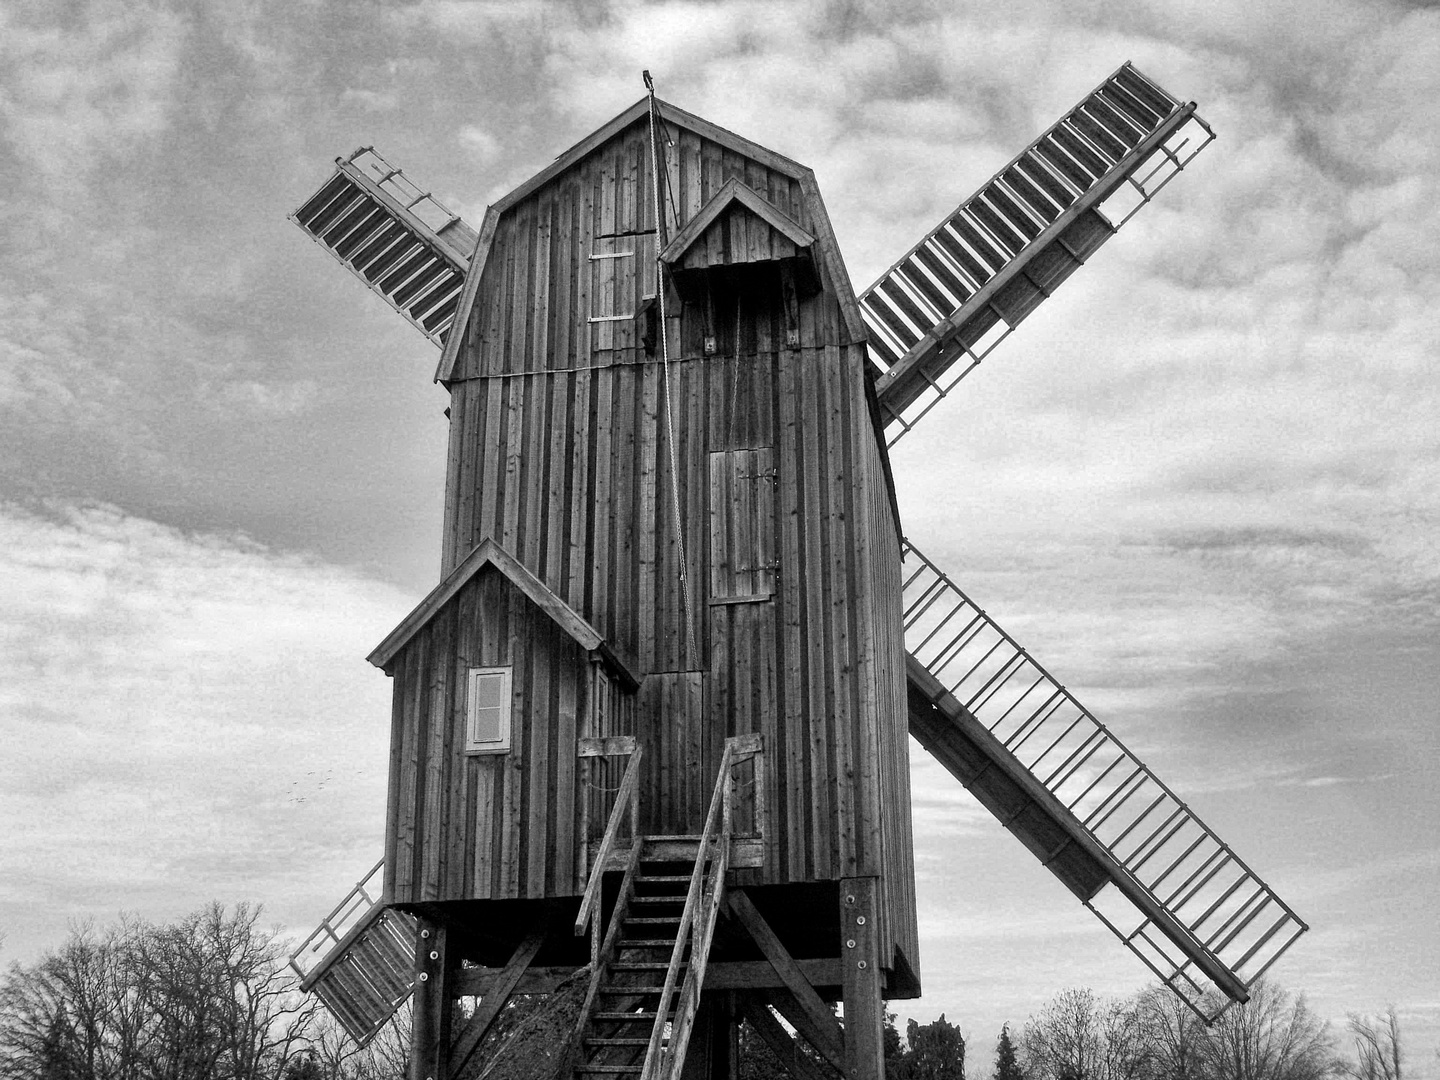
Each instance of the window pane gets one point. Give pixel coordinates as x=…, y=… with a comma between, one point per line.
x=487, y=725
x=487, y=690
x=489, y=710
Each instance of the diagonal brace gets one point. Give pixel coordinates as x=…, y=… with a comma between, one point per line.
x=489, y=1008
x=811, y=1015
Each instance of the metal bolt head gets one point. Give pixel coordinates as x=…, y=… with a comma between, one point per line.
x=849, y=944
x=424, y=933
x=863, y=965
x=424, y=976
x=849, y=898
x=436, y=956
x=860, y=921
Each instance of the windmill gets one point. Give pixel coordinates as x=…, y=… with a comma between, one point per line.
x=652, y=722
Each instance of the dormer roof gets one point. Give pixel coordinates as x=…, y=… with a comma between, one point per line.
x=488, y=553
x=773, y=233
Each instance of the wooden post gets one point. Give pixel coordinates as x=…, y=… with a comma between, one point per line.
x=860, y=960
x=430, y=1047
x=713, y=1053
x=732, y=1036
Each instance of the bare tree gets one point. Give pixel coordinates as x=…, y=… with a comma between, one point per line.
x=1377, y=1046
x=1079, y=1037
x=1171, y=1034
x=204, y=998
x=1273, y=1036
x=75, y=1013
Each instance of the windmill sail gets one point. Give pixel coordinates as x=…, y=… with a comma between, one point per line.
x=360, y=959
x=1182, y=901
x=954, y=296
x=394, y=237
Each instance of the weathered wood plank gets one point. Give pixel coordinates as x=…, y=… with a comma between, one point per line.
x=864, y=1010
x=839, y=516
x=540, y=797
x=648, y=524
x=792, y=805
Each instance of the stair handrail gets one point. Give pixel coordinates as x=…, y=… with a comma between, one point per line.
x=601, y=954
x=661, y=1060
x=626, y=797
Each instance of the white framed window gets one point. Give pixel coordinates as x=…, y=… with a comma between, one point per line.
x=487, y=711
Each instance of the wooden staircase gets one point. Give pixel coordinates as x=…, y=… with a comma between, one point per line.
x=647, y=973
x=644, y=945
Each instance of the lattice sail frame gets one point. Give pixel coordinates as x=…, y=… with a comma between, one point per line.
x=360, y=959
x=396, y=238
x=1212, y=908
x=945, y=305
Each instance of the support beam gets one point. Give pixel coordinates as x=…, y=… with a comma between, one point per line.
x=490, y=1006
x=761, y=975
x=481, y=982
x=429, y=1057
x=779, y=1040
x=860, y=953
x=820, y=1028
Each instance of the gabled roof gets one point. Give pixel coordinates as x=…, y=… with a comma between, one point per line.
x=489, y=553
x=828, y=253
x=733, y=191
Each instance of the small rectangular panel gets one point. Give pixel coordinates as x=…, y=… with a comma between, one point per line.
x=742, y=525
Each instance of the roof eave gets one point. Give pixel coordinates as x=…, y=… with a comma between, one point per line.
x=489, y=553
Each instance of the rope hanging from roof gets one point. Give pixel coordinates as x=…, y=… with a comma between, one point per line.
x=691, y=653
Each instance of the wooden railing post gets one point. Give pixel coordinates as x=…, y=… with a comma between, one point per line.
x=626, y=797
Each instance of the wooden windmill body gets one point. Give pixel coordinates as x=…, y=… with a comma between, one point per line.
x=654, y=717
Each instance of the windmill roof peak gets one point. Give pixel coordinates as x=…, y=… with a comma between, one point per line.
x=674, y=114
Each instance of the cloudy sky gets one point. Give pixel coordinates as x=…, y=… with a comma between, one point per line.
x=1202, y=484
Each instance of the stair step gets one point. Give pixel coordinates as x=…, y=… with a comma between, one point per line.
x=630, y=991
x=611, y=1070
x=651, y=920
x=645, y=943
x=676, y=899
x=632, y=1017
x=617, y=1042
x=627, y=966
x=663, y=877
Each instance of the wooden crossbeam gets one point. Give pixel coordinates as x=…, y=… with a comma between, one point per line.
x=761, y=974
x=816, y=1022
x=490, y=1006
x=481, y=981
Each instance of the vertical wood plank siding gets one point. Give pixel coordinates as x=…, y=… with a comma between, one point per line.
x=492, y=825
x=560, y=450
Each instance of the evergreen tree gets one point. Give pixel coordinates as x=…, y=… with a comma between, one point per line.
x=1007, y=1064
x=894, y=1049
x=936, y=1052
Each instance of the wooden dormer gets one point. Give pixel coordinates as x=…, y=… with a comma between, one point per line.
x=740, y=232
